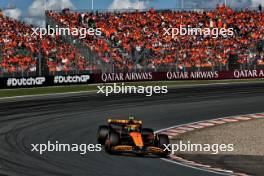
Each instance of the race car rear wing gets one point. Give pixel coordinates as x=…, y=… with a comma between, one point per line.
x=124, y=122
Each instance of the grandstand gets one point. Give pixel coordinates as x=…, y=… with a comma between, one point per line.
x=22, y=54
x=134, y=40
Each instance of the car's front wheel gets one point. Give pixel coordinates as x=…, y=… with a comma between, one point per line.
x=162, y=141
x=102, y=133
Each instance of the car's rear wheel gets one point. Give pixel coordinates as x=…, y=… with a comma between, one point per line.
x=102, y=133
x=148, y=136
x=111, y=141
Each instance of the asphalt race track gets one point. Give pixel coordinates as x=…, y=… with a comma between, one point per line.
x=75, y=118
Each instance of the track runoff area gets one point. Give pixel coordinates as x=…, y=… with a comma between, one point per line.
x=180, y=150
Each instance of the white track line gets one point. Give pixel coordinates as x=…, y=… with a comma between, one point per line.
x=189, y=166
x=49, y=94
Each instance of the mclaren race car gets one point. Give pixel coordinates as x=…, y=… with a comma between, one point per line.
x=128, y=136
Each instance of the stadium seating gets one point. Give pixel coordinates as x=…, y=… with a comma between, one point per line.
x=137, y=37
x=20, y=50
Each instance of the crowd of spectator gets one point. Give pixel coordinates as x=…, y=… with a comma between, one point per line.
x=18, y=48
x=20, y=51
x=61, y=56
x=105, y=50
x=137, y=37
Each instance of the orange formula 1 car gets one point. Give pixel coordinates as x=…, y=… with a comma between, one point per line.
x=128, y=136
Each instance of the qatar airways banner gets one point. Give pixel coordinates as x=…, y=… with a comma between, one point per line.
x=214, y=75
x=166, y=76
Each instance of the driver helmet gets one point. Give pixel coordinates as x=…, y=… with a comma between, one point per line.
x=130, y=118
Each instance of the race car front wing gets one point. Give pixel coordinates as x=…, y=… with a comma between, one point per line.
x=138, y=150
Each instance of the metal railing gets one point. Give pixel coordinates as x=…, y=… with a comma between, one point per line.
x=85, y=51
x=180, y=9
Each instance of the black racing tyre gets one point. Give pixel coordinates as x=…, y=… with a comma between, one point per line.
x=147, y=135
x=102, y=133
x=111, y=141
x=160, y=141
